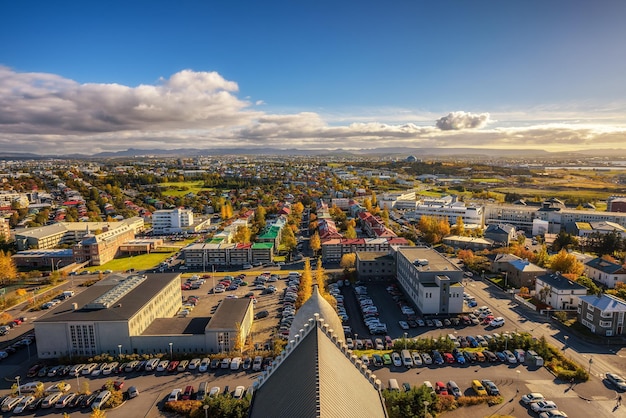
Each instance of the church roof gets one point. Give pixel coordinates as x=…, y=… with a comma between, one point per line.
x=317, y=305
x=317, y=376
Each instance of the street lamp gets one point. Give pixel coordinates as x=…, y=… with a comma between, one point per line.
x=518, y=374
x=426, y=403
x=356, y=338
x=506, y=341
x=206, y=411
x=119, y=348
x=171, y=344
x=566, y=337
x=590, y=362
x=405, y=334
x=19, y=391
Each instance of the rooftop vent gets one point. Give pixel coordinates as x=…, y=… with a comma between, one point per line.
x=111, y=297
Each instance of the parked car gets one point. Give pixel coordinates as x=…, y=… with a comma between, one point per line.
x=454, y=389
x=397, y=360
x=490, y=387
x=616, y=380
x=532, y=397
x=543, y=406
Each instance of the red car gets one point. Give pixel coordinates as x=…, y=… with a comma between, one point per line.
x=188, y=393
x=172, y=366
x=448, y=358
x=440, y=388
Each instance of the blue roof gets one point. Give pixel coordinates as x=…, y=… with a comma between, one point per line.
x=558, y=281
x=606, y=303
x=606, y=266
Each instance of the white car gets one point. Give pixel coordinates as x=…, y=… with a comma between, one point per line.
x=417, y=359
x=533, y=397
x=510, y=357
x=194, y=363
x=204, y=365
x=404, y=325
x=397, y=360
x=497, y=322
x=543, y=406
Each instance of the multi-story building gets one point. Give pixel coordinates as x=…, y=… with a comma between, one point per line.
x=398, y=200
x=333, y=249
x=616, y=204
x=5, y=230
x=430, y=280
x=7, y=198
x=204, y=256
x=375, y=265
x=605, y=272
x=171, y=221
x=69, y=233
x=518, y=272
x=98, y=249
x=558, y=291
x=603, y=314
x=449, y=209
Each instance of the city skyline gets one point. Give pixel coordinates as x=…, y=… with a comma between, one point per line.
x=90, y=78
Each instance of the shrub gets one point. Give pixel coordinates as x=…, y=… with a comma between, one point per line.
x=183, y=407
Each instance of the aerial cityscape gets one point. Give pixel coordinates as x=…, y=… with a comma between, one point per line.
x=279, y=209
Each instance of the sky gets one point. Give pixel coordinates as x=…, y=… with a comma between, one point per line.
x=89, y=77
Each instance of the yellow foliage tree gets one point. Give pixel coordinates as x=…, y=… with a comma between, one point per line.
x=348, y=261
x=315, y=242
x=566, y=263
x=8, y=271
x=306, y=281
x=97, y=413
x=21, y=292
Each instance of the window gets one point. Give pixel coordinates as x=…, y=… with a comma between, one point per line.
x=605, y=324
x=590, y=317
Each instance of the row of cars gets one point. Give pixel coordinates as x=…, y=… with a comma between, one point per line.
x=369, y=311
x=203, y=391
x=288, y=312
x=58, y=400
x=536, y=402
x=23, y=342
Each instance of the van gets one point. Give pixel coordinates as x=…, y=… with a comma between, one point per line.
x=429, y=386
x=479, y=388
x=520, y=355
x=534, y=359
x=393, y=385
x=11, y=403
x=406, y=358
x=67, y=294
x=480, y=357
x=31, y=387
x=455, y=340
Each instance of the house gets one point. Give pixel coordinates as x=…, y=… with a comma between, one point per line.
x=519, y=272
x=558, y=291
x=502, y=234
x=468, y=243
x=605, y=272
x=603, y=314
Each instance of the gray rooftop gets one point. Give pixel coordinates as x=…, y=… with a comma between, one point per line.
x=171, y=326
x=316, y=305
x=557, y=281
x=125, y=308
x=316, y=379
x=228, y=313
x=436, y=261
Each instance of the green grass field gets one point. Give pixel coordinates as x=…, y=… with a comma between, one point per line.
x=177, y=189
x=138, y=262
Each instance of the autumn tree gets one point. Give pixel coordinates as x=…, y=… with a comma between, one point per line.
x=97, y=413
x=288, y=239
x=566, y=263
x=259, y=217
x=315, y=242
x=350, y=232
x=433, y=228
x=243, y=234
x=459, y=227
x=348, y=261
x=592, y=288
x=8, y=271
x=374, y=199
x=306, y=283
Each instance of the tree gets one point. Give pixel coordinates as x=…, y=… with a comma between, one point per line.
x=564, y=241
x=592, y=288
x=315, y=242
x=243, y=234
x=566, y=263
x=8, y=271
x=350, y=232
x=288, y=239
x=374, y=199
x=433, y=228
x=306, y=281
x=544, y=293
x=259, y=217
x=348, y=261
x=459, y=227
x=97, y=413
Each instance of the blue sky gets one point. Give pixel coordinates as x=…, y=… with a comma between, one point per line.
x=323, y=74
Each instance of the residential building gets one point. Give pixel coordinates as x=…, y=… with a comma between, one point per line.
x=518, y=272
x=429, y=280
x=616, y=204
x=47, y=260
x=468, y=243
x=501, y=234
x=98, y=249
x=586, y=229
x=375, y=265
x=560, y=292
x=606, y=272
x=602, y=314
x=7, y=197
x=333, y=249
x=397, y=200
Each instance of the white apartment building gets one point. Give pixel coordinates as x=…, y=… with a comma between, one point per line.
x=450, y=209
x=171, y=221
x=398, y=200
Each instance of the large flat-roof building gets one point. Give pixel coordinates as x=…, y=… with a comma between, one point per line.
x=430, y=280
x=136, y=314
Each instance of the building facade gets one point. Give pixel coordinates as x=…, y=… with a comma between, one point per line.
x=375, y=265
x=605, y=272
x=558, y=291
x=603, y=315
x=171, y=221
x=430, y=280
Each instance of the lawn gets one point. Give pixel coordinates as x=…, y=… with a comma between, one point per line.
x=138, y=262
x=177, y=189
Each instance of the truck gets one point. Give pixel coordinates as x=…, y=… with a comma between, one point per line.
x=67, y=294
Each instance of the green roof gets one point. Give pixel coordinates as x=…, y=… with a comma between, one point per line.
x=261, y=245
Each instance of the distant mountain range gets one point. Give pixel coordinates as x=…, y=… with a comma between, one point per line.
x=420, y=153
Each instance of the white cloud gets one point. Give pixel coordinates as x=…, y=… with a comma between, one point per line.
x=462, y=120
x=48, y=114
